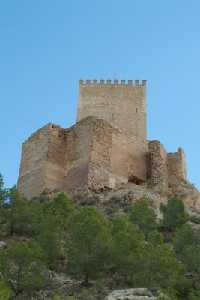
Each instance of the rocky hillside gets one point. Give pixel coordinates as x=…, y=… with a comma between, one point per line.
x=119, y=199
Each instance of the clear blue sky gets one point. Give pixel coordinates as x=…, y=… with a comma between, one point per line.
x=46, y=46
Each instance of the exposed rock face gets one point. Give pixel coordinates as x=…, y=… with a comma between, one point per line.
x=132, y=294
x=3, y=245
x=105, y=150
x=187, y=192
x=113, y=201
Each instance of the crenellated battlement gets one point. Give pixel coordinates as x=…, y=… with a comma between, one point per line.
x=114, y=82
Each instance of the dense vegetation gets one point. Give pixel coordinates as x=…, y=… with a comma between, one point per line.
x=130, y=249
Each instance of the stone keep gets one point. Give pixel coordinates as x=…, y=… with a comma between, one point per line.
x=105, y=149
x=123, y=105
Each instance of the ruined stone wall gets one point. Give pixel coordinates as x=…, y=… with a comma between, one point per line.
x=122, y=104
x=88, y=156
x=93, y=155
x=128, y=158
x=176, y=166
x=55, y=164
x=100, y=172
x=42, y=163
x=99, y=156
x=157, y=165
x=32, y=167
x=69, y=160
x=107, y=147
x=113, y=159
x=77, y=156
x=165, y=169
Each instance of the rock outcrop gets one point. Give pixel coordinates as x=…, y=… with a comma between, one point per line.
x=132, y=294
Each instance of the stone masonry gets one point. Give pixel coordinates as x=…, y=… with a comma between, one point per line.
x=123, y=105
x=105, y=149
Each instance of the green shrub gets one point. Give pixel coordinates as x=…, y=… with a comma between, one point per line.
x=141, y=214
x=22, y=267
x=174, y=214
x=127, y=249
x=88, y=243
x=3, y=191
x=5, y=291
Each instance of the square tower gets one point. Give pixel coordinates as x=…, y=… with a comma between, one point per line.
x=120, y=103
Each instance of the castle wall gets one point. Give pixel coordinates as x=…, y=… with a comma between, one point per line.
x=176, y=166
x=99, y=156
x=88, y=156
x=107, y=147
x=32, y=167
x=42, y=163
x=55, y=163
x=100, y=173
x=121, y=104
x=77, y=156
x=128, y=158
x=157, y=164
x=108, y=159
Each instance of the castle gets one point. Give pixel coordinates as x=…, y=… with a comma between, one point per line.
x=105, y=149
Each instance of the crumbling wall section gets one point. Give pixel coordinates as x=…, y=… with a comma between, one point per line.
x=88, y=156
x=157, y=165
x=32, y=167
x=91, y=155
x=100, y=174
x=77, y=156
x=55, y=164
x=176, y=166
x=128, y=158
x=99, y=156
x=42, y=163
